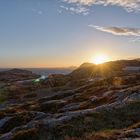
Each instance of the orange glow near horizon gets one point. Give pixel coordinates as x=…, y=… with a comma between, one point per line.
x=99, y=59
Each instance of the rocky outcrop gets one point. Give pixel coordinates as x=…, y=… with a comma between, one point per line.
x=108, y=69
x=4, y=121
x=134, y=97
x=87, y=111
x=16, y=75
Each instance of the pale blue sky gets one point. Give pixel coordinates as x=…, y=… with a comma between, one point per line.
x=54, y=33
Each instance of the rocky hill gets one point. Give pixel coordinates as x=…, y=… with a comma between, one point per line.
x=104, y=108
x=16, y=75
x=112, y=68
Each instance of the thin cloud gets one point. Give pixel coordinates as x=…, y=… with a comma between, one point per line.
x=36, y=11
x=120, y=31
x=40, y=12
x=64, y=7
x=133, y=40
x=77, y=9
x=129, y=5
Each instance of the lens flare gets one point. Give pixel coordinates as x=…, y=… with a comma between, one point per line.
x=99, y=59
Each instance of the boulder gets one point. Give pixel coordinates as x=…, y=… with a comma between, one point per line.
x=133, y=97
x=4, y=121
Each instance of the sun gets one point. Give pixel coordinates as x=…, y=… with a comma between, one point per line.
x=99, y=59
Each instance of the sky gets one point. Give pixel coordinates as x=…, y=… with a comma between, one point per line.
x=62, y=33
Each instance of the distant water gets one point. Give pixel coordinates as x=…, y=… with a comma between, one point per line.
x=47, y=71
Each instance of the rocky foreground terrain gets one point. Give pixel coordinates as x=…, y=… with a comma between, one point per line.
x=91, y=103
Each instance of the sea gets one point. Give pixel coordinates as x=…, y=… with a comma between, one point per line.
x=45, y=71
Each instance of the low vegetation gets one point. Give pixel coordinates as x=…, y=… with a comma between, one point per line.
x=99, y=108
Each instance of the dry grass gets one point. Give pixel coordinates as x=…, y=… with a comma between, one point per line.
x=31, y=134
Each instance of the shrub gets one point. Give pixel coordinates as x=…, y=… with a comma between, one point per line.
x=31, y=134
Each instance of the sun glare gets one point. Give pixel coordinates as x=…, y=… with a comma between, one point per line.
x=99, y=59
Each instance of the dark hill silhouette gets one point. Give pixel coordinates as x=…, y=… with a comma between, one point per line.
x=106, y=69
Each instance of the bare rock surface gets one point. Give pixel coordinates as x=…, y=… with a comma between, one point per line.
x=96, y=109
